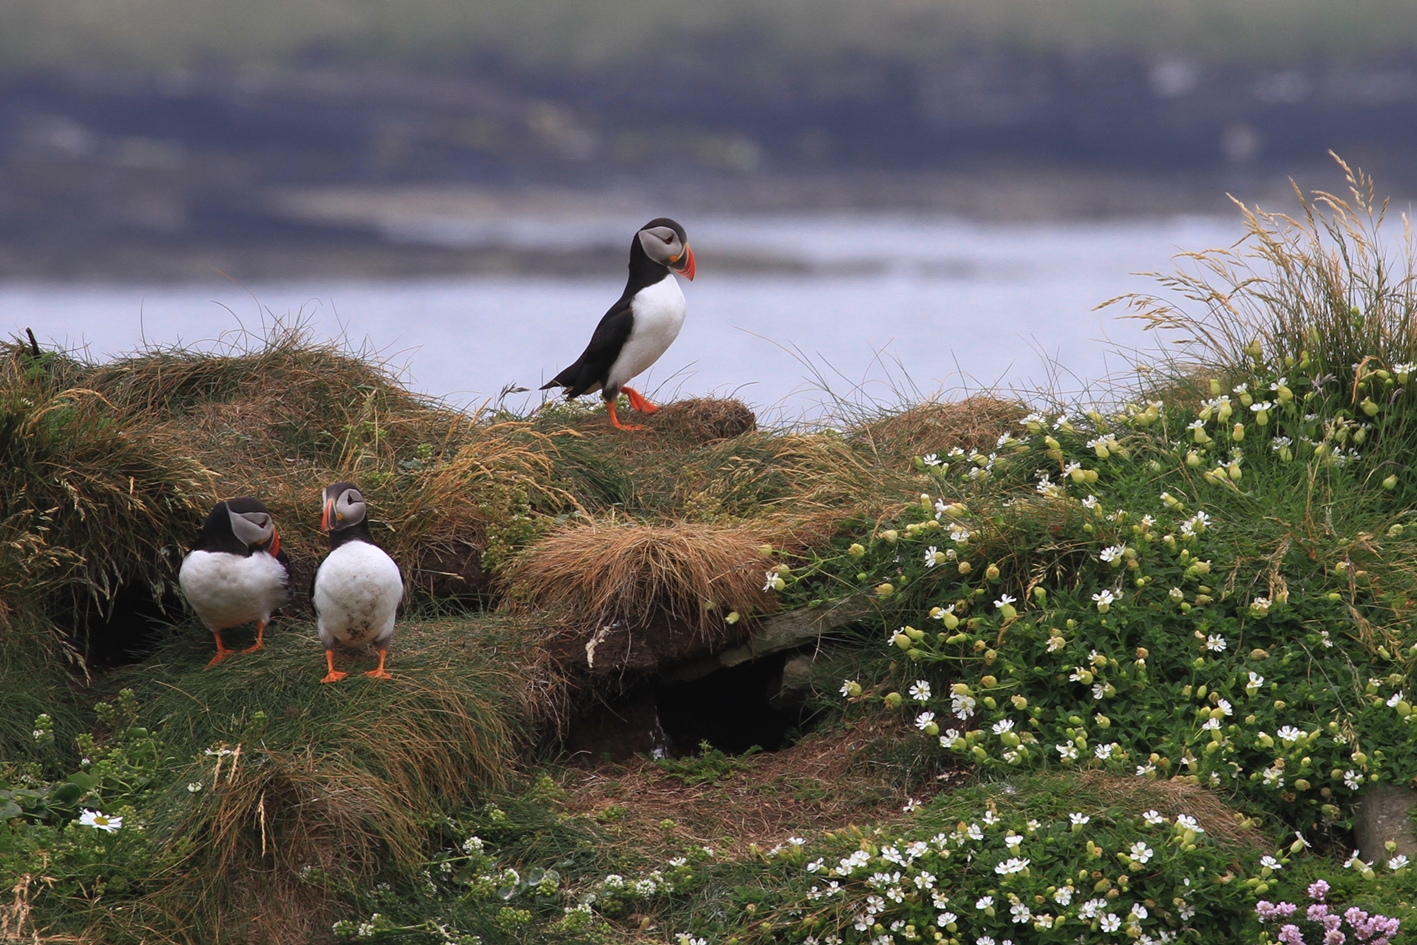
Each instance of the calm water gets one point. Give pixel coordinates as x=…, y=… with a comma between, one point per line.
x=894, y=304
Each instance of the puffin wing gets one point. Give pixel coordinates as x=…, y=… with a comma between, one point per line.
x=593, y=365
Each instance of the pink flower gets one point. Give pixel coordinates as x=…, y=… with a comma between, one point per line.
x=1318, y=890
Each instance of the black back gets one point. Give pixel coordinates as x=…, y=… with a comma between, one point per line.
x=593, y=366
x=216, y=534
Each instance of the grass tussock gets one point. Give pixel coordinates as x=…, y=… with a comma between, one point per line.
x=597, y=574
x=289, y=775
x=974, y=423
x=1318, y=287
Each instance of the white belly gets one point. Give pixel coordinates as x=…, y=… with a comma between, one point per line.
x=228, y=590
x=357, y=592
x=658, y=316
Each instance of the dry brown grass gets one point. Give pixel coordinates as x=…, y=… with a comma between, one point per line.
x=283, y=418
x=973, y=423
x=823, y=782
x=597, y=573
x=1170, y=797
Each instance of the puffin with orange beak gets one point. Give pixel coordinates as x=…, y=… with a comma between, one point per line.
x=640, y=326
x=236, y=572
x=357, y=588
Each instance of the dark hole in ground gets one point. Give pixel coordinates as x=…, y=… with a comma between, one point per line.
x=760, y=703
x=125, y=630
x=732, y=709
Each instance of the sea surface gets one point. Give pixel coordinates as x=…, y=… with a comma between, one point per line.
x=860, y=309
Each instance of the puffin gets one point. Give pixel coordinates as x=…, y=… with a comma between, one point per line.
x=640, y=326
x=357, y=588
x=236, y=572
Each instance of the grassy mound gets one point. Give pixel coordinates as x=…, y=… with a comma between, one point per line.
x=1128, y=671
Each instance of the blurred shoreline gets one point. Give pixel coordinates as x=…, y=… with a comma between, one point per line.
x=262, y=174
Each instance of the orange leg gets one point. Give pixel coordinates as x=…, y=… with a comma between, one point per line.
x=381, y=673
x=637, y=400
x=615, y=421
x=333, y=675
x=221, y=651
x=260, y=638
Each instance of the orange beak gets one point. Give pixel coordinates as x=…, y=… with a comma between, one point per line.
x=325, y=519
x=275, y=542
x=684, y=265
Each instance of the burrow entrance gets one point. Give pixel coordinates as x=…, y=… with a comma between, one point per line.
x=761, y=703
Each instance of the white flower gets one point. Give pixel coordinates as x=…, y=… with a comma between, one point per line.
x=1224, y=706
x=774, y=581
x=1352, y=780
x=984, y=902
x=1396, y=698
x=816, y=865
x=847, y=685
x=1289, y=734
x=1187, y=822
x=1003, y=726
x=962, y=705
x=930, y=459
x=100, y=821
x=1063, y=896
x=194, y=786
x=945, y=918
x=951, y=738
x=959, y=534
x=1011, y=865
x=1152, y=817
x=920, y=692
x=1098, y=690
x=1103, y=752
x=933, y=556
x=1068, y=750
x=1215, y=643
x=1104, y=598
x=1141, y=852
x=1012, y=841
x=1112, y=553
x=924, y=719
x=1091, y=502
x=1398, y=862
x=1004, y=601
x=1110, y=923
x=1271, y=862
x=1078, y=819
x=1256, y=681
x=1020, y=913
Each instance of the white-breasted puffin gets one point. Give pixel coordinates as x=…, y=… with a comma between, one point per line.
x=357, y=588
x=236, y=572
x=638, y=328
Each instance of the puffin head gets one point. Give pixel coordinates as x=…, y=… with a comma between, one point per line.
x=664, y=241
x=344, y=507
x=252, y=525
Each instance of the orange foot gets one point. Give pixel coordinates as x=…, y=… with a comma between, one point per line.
x=638, y=401
x=260, y=638
x=615, y=421
x=221, y=651
x=380, y=672
x=333, y=675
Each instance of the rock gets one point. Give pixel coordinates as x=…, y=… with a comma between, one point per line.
x=775, y=634
x=795, y=684
x=1383, y=814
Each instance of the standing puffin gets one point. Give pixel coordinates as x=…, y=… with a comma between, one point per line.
x=358, y=586
x=638, y=328
x=236, y=572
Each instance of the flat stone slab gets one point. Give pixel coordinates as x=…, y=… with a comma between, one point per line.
x=775, y=634
x=1383, y=814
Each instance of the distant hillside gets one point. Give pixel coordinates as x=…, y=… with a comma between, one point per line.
x=762, y=41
